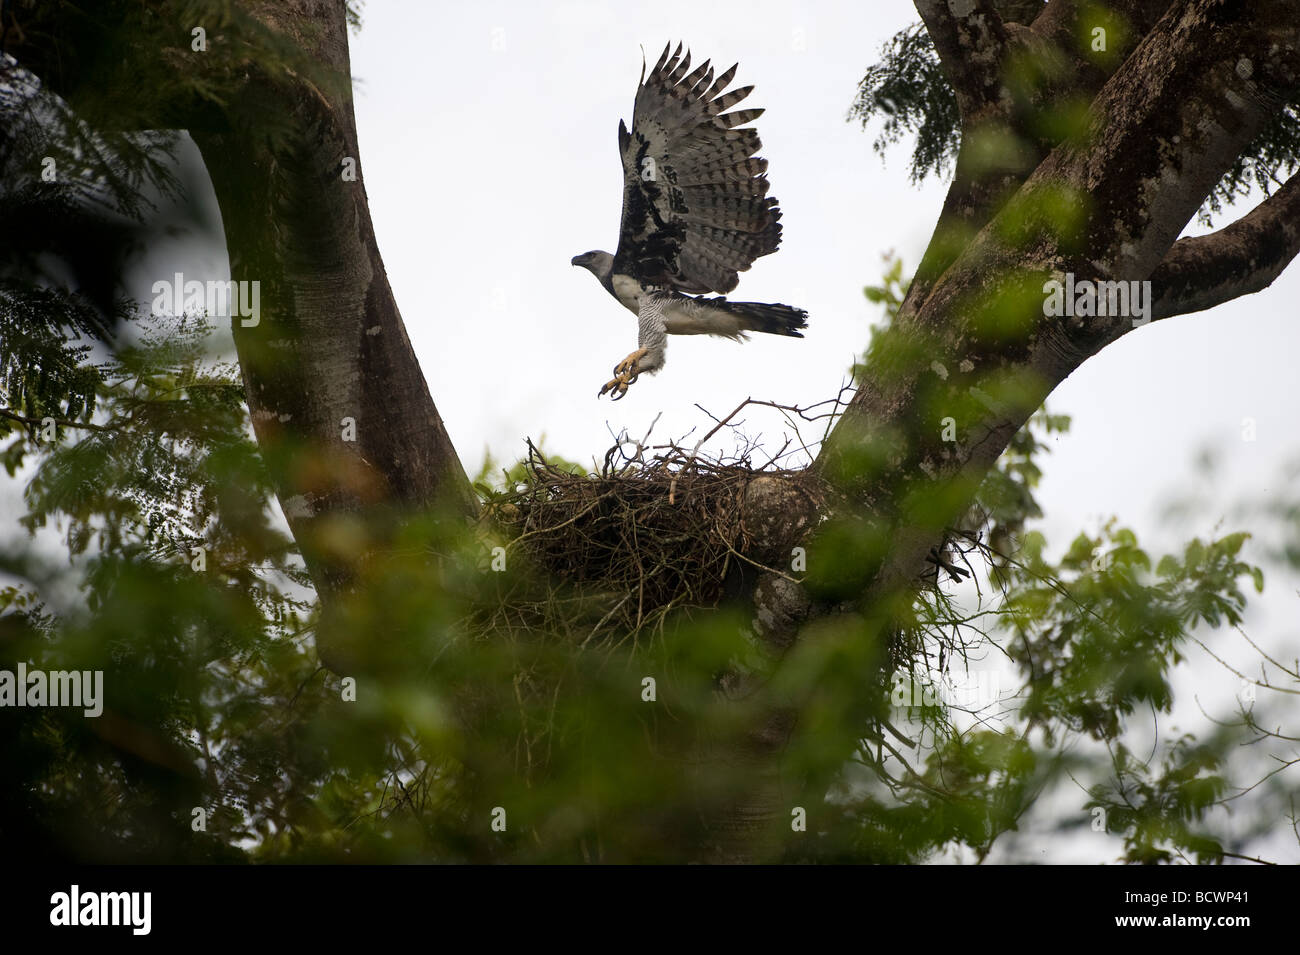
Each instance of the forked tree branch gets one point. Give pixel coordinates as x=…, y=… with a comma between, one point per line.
x=1239, y=259
x=1192, y=95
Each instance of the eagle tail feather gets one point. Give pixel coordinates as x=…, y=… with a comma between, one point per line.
x=771, y=319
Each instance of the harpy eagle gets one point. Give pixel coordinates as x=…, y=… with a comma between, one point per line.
x=695, y=212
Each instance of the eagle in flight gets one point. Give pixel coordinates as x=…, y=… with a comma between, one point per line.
x=695, y=212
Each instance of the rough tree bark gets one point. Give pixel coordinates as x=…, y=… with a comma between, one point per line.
x=330, y=348
x=1200, y=83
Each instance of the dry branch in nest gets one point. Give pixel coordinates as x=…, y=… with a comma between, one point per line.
x=664, y=528
x=660, y=527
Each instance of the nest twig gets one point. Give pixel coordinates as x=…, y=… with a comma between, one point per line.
x=658, y=528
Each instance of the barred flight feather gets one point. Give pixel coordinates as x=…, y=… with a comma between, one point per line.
x=695, y=205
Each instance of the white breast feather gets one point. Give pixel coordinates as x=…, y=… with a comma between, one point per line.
x=689, y=317
x=627, y=290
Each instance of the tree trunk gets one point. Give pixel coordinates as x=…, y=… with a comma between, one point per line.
x=338, y=400
x=972, y=342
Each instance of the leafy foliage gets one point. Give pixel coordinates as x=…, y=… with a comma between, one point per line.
x=480, y=700
x=1095, y=636
x=908, y=93
x=1156, y=812
x=1114, y=629
x=189, y=645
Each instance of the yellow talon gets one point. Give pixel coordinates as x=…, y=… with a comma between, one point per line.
x=624, y=374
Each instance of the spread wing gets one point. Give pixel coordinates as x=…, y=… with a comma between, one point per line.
x=695, y=203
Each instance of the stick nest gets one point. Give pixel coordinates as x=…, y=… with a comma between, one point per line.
x=648, y=533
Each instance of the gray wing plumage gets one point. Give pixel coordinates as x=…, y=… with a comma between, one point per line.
x=695, y=205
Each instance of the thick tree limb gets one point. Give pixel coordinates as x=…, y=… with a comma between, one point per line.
x=1164, y=129
x=1062, y=21
x=971, y=42
x=338, y=400
x=1022, y=12
x=1242, y=258
x=1056, y=44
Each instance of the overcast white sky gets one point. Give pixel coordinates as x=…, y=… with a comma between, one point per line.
x=488, y=147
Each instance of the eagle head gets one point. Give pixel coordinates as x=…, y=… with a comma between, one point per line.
x=600, y=264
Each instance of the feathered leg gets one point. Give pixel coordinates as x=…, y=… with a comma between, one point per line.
x=649, y=357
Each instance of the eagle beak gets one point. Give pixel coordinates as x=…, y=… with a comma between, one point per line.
x=574, y=260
